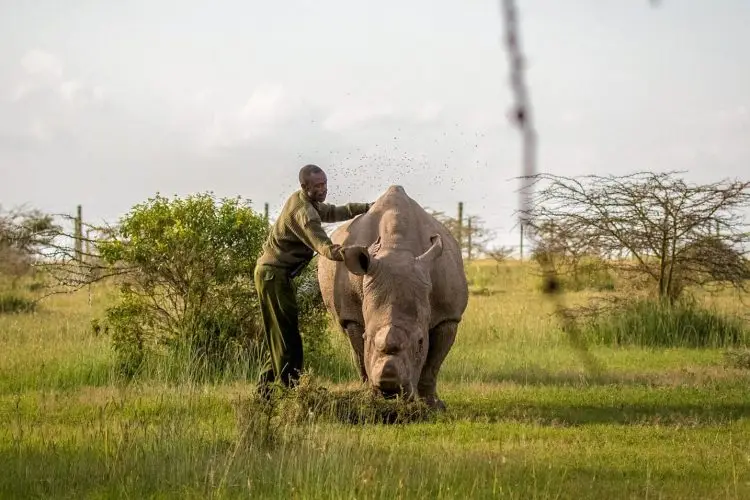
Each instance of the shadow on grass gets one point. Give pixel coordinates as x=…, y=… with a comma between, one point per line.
x=537, y=376
x=623, y=413
x=207, y=468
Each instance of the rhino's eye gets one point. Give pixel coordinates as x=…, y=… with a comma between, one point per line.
x=420, y=343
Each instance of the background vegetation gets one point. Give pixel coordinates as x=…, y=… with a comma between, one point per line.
x=106, y=391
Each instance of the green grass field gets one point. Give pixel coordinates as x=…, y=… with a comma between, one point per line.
x=525, y=419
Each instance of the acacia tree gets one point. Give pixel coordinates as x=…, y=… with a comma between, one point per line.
x=677, y=234
x=472, y=233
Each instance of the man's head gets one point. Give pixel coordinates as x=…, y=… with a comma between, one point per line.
x=314, y=182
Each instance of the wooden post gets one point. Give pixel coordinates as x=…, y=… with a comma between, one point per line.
x=79, y=233
x=460, y=226
x=468, y=236
x=88, y=254
x=266, y=212
x=522, y=241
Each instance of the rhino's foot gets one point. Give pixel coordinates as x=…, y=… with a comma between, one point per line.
x=434, y=402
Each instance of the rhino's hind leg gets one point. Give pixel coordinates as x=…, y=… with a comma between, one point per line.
x=441, y=341
x=356, y=332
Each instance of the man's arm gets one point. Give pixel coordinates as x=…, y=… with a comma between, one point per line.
x=316, y=238
x=333, y=213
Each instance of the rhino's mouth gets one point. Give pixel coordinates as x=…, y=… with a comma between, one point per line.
x=390, y=378
x=391, y=389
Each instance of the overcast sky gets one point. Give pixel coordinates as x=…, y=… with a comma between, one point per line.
x=107, y=103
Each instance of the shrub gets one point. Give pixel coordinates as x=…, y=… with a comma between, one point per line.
x=659, y=323
x=187, y=280
x=13, y=303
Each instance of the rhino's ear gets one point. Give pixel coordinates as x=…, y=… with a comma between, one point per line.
x=358, y=260
x=435, y=251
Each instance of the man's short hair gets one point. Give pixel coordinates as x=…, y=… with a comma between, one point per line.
x=306, y=171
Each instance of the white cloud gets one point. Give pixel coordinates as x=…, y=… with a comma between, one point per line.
x=43, y=72
x=265, y=105
x=38, y=62
x=69, y=89
x=737, y=115
x=46, y=104
x=267, y=108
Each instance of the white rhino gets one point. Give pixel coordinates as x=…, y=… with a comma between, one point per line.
x=399, y=294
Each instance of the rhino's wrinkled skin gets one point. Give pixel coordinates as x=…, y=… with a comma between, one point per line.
x=399, y=294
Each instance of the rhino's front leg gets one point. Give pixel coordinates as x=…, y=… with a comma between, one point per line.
x=356, y=333
x=441, y=341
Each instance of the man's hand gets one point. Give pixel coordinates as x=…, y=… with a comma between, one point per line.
x=337, y=252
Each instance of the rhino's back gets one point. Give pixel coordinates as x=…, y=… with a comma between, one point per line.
x=394, y=212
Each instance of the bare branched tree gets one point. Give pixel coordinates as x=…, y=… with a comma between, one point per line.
x=474, y=234
x=70, y=260
x=499, y=254
x=24, y=233
x=676, y=234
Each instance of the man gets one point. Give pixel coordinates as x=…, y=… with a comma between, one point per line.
x=295, y=237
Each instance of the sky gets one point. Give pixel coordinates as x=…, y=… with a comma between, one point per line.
x=106, y=104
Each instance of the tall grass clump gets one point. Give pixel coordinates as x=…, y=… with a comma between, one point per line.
x=659, y=323
x=14, y=303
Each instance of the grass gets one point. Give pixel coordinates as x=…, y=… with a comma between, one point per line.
x=525, y=419
x=687, y=324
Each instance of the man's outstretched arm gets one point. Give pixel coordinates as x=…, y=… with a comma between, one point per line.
x=316, y=238
x=334, y=213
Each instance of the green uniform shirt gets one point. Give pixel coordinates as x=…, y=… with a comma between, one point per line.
x=298, y=233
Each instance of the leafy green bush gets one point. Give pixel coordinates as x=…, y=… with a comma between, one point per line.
x=186, y=280
x=659, y=323
x=13, y=303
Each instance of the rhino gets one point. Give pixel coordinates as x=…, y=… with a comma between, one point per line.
x=399, y=295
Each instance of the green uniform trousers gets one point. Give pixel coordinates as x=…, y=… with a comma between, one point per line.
x=278, y=305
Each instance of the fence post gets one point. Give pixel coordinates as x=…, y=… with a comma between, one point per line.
x=265, y=212
x=521, y=246
x=79, y=233
x=468, y=236
x=460, y=226
x=87, y=257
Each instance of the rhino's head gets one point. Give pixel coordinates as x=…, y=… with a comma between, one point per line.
x=396, y=288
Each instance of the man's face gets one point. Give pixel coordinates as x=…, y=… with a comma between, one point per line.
x=316, y=187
